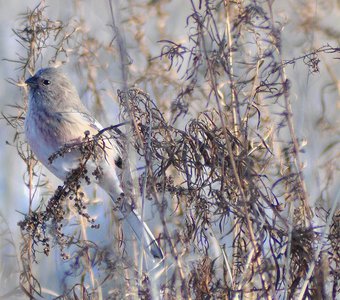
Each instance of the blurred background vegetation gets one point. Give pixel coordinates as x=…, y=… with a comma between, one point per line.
x=235, y=147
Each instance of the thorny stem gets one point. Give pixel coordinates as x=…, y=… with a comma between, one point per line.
x=289, y=117
x=234, y=105
x=29, y=252
x=237, y=123
x=232, y=159
x=87, y=255
x=234, y=100
x=319, y=248
x=121, y=46
x=297, y=161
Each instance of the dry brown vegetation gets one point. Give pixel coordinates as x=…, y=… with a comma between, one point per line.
x=222, y=165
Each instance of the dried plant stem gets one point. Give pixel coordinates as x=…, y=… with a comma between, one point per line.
x=233, y=93
x=28, y=263
x=87, y=256
x=298, y=165
x=321, y=244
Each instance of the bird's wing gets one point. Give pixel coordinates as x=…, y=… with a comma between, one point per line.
x=83, y=123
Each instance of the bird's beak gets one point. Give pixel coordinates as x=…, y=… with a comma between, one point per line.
x=32, y=81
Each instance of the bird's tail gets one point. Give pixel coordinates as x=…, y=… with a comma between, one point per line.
x=142, y=232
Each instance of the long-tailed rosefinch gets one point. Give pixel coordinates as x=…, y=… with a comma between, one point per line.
x=56, y=117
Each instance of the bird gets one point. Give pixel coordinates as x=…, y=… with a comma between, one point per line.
x=55, y=118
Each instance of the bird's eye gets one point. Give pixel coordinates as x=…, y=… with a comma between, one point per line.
x=46, y=82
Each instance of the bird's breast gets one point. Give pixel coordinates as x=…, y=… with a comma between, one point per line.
x=46, y=134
